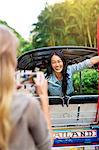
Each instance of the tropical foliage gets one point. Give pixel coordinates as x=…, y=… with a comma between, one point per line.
x=24, y=45
x=73, y=22
x=88, y=82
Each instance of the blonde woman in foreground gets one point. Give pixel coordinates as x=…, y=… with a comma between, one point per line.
x=24, y=123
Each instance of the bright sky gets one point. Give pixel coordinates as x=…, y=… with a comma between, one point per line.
x=21, y=14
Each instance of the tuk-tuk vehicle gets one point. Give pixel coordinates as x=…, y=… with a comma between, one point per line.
x=75, y=119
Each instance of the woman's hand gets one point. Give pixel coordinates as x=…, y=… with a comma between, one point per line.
x=41, y=84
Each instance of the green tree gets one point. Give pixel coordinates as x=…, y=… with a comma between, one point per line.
x=67, y=23
x=89, y=81
x=24, y=45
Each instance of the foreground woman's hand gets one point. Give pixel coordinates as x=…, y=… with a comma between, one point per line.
x=41, y=84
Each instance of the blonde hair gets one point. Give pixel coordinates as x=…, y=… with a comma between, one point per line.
x=8, y=62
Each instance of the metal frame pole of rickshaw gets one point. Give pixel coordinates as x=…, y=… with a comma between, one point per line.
x=80, y=88
x=97, y=114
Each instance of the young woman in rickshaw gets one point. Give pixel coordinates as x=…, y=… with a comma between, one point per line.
x=59, y=73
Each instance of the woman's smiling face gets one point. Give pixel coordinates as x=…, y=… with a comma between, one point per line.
x=57, y=63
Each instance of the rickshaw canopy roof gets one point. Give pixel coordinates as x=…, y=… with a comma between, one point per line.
x=39, y=57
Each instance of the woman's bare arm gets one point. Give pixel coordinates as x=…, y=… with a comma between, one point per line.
x=94, y=60
x=42, y=90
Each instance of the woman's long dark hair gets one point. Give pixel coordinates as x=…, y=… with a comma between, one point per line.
x=64, y=71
